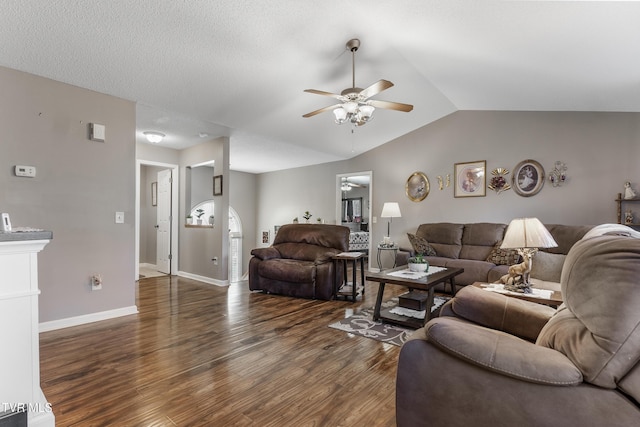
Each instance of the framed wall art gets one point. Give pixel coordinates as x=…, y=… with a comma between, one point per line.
x=417, y=187
x=217, y=185
x=470, y=179
x=528, y=178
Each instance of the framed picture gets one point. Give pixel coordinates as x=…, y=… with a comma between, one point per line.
x=528, y=178
x=217, y=185
x=154, y=193
x=470, y=179
x=417, y=187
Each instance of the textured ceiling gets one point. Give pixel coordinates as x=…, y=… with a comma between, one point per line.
x=238, y=68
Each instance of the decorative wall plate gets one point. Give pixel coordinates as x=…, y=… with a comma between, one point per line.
x=417, y=187
x=498, y=182
x=528, y=178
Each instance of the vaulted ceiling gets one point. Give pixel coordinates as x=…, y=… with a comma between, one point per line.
x=200, y=69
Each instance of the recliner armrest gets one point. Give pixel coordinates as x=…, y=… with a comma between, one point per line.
x=496, y=311
x=501, y=353
x=266, y=253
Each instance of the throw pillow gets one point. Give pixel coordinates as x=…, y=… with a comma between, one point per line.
x=421, y=246
x=547, y=266
x=500, y=256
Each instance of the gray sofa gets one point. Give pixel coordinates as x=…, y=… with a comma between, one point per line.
x=491, y=360
x=469, y=246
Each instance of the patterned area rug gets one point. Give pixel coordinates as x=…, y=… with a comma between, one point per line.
x=362, y=324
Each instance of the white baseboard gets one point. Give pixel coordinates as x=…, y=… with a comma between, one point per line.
x=87, y=318
x=204, y=279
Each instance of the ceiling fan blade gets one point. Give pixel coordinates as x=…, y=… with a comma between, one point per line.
x=375, y=88
x=390, y=105
x=322, y=110
x=321, y=92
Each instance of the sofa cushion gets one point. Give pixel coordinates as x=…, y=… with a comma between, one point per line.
x=500, y=256
x=565, y=236
x=479, y=239
x=305, y=252
x=474, y=271
x=289, y=270
x=421, y=245
x=444, y=237
x=546, y=266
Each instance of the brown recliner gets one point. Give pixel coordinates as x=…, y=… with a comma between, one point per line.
x=491, y=360
x=299, y=263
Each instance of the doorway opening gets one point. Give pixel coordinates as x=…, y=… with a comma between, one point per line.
x=146, y=218
x=354, y=192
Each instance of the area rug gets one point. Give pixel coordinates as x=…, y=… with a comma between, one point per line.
x=362, y=324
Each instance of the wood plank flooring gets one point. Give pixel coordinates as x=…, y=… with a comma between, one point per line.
x=201, y=355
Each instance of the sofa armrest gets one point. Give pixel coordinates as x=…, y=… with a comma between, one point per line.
x=496, y=311
x=325, y=257
x=502, y=353
x=266, y=253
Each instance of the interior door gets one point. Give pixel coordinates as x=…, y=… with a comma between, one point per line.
x=163, y=222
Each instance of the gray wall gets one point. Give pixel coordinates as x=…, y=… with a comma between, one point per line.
x=79, y=186
x=601, y=150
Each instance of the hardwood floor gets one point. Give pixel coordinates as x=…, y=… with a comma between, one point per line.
x=201, y=355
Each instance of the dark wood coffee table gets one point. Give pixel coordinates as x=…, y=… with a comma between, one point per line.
x=425, y=284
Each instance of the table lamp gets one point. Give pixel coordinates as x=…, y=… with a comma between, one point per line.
x=526, y=235
x=390, y=210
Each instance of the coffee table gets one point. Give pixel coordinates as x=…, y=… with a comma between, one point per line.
x=425, y=284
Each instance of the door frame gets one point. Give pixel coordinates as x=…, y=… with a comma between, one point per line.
x=175, y=213
x=339, y=201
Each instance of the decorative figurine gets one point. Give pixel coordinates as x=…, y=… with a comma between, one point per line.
x=628, y=217
x=628, y=191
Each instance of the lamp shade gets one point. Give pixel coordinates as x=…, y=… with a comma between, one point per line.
x=390, y=210
x=527, y=233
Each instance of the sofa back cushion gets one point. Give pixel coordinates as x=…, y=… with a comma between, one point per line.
x=444, y=237
x=599, y=327
x=565, y=236
x=326, y=235
x=479, y=239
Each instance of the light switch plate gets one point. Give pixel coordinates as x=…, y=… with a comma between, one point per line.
x=119, y=217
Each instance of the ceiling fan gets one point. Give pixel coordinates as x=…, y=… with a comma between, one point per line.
x=347, y=185
x=355, y=106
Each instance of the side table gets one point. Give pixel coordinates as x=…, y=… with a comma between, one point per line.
x=554, y=300
x=341, y=286
x=381, y=249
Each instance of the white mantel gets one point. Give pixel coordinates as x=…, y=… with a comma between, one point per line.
x=20, y=354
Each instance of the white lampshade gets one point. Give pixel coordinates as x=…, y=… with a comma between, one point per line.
x=391, y=210
x=350, y=107
x=341, y=114
x=366, y=111
x=527, y=233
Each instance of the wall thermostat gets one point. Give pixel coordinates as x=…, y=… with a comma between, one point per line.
x=6, y=223
x=28, y=171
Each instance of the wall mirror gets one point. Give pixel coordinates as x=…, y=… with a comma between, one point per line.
x=199, y=194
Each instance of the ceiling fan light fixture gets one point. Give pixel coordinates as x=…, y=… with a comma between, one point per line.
x=341, y=115
x=366, y=111
x=350, y=107
x=153, y=137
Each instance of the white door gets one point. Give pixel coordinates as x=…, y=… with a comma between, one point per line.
x=163, y=222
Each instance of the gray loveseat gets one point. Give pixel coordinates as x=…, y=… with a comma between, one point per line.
x=474, y=247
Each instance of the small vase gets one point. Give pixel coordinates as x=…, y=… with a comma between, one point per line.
x=422, y=267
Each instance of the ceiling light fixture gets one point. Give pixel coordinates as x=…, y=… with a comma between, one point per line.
x=154, y=137
x=356, y=107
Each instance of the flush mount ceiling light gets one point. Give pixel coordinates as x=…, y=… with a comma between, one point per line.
x=356, y=107
x=154, y=137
